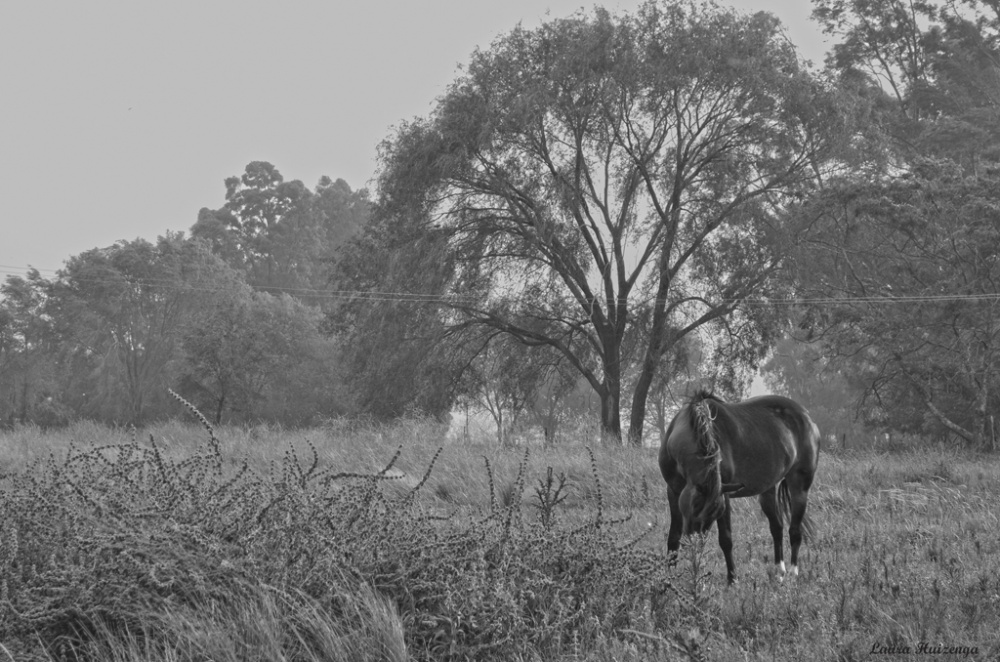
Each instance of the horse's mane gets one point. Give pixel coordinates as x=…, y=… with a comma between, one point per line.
x=702, y=419
x=703, y=422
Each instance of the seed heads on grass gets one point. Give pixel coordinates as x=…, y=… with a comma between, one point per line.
x=212, y=440
x=512, y=501
x=492, y=485
x=597, y=485
x=550, y=493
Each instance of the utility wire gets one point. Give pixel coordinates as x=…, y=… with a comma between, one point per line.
x=167, y=284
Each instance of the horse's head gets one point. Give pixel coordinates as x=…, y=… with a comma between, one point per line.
x=694, y=442
x=704, y=501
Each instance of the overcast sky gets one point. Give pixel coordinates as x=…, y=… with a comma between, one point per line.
x=121, y=119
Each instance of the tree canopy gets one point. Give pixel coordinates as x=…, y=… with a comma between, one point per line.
x=900, y=269
x=283, y=236
x=915, y=264
x=123, y=310
x=119, y=325
x=608, y=185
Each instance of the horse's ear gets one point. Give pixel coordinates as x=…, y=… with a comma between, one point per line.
x=731, y=487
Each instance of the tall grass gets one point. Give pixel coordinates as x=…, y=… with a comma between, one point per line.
x=392, y=543
x=265, y=625
x=176, y=549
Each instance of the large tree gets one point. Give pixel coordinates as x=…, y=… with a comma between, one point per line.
x=902, y=283
x=610, y=185
x=122, y=312
x=900, y=271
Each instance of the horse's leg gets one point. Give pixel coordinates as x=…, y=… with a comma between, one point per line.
x=676, y=527
x=726, y=541
x=769, y=504
x=798, y=494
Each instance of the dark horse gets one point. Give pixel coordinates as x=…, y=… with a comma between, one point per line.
x=713, y=451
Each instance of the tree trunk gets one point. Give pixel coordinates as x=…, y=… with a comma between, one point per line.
x=24, y=398
x=611, y=422
x=948, y=423
x=639, y=407
x=611, y=391
x=983, y=415
x=655, y=348
x=498, y=418
x=219, y=409
x=969, y=435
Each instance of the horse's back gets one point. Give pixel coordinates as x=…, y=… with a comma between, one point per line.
x=764, y=439
x=778, y=423
x=761, y=439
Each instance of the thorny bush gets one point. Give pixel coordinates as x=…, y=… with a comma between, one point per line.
x=108, y=537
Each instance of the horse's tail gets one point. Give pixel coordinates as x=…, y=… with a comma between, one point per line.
x=785, y=508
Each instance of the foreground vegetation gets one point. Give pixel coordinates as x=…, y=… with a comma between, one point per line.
x=395, y=544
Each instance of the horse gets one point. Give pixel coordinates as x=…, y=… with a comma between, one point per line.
x=714, y=451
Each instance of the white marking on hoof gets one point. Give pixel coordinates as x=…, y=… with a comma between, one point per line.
x=780, y=569
x=795, y=571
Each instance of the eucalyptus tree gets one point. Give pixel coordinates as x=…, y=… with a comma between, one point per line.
x=611, y=184
x=282, y=235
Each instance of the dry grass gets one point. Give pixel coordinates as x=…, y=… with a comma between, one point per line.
x=265, y=626
x=158, y=545
x=466, y=562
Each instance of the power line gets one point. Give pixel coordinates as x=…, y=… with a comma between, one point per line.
x=458, y=299
x=17, y=271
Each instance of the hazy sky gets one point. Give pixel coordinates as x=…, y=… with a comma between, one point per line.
x=121, y=119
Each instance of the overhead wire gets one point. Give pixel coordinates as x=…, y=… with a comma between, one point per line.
x=431, y=298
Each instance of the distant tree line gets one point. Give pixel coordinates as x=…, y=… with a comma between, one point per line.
x=229, y=316
x=597, y=214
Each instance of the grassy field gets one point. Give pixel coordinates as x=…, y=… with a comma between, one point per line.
x=395, y=544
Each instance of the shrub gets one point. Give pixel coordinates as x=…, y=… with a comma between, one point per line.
x=116, y=549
